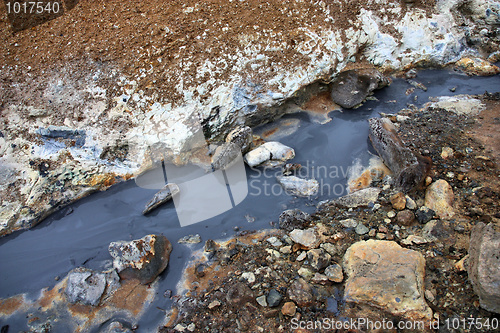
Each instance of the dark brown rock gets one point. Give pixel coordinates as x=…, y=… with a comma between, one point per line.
x=301, y=292
x=405, y=217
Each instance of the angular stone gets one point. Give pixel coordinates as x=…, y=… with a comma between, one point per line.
x=224, y=155
x=484, y=265
x=398, y=201
x=384, y=275
x=306, y=237
x=305, y=272
x=439, y=197
x=320, y=279
x=300, y=292
x=361, y=229
x=242, y=137
x=318, y=258
x=334, y=273
x=298, y=186
x=164, y=195
x=349, y=223
x=143, y=259
x=274, y=298
x=85, y=286
x=239, y=294
x=293, y=219
x=190, y=239
x=262, y=300
x=424, y=214
x=363, y=197
x=353, y=86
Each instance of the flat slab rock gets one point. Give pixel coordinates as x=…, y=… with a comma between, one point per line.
x=359, y=198
x=85, y=286
x=386, y=276
x=143, y=259
x=298, y=186
x=484, y=265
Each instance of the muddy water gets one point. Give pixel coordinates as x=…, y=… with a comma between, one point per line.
x=32, y=259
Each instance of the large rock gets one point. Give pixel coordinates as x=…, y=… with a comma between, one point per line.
x=439, y=197
x=269, y=151
x=162, y=196
x=484, y=265
x=386, y=276
x=298, y=186
x=85, y=286
x=476, y=66
x=409, y=168
x=353, y=86
x=293, y=219
x=143, y=259
x=363, y=197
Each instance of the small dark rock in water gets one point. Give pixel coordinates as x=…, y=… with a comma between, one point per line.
x=353, y=86
x=424, y=214
x=200, y=270
x=273, y=298
x=293, y=219
x=143, y=259
x=164, y=195
x=85, y=286
x=290, y=168
x=167, y=293
x=4, y=329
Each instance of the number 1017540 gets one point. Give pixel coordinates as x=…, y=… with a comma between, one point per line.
x=33, y=7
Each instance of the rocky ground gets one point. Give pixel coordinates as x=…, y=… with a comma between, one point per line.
x=315, y=268
x=90, y=97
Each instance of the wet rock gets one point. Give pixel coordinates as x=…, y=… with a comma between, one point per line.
x=409, y=169
x=384, y=275
x=405, y=217
x=273, y=298
x=398, y=201
x=289, y=309
x=363, y=197
x=224, y=155
x=242, y=137
x=85, y=286
x=190, y=239
x=353, y=86
x=293, y=219
x=439, y=197
x=417, y=85
x=306, y=237
x=298, y=186
x=476, y=66
x=164, y=195
x=424, y=214
x=484, y=265
x=334, y=273
x=239, y=294
x=318, y=258
x=143, y=259
x=300, y=292
x=269, y=151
